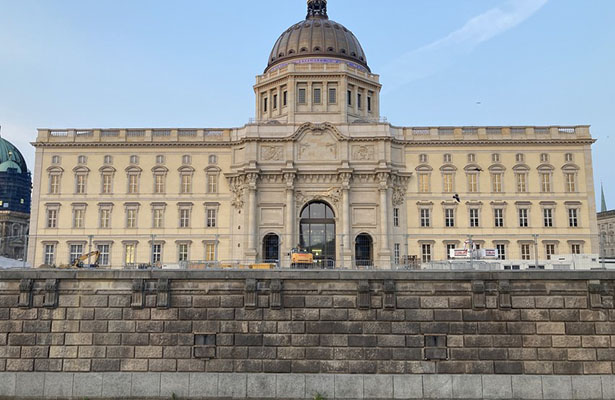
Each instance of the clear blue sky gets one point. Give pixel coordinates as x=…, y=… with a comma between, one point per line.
x=146, y=63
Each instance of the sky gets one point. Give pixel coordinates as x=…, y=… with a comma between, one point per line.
x=192, y=63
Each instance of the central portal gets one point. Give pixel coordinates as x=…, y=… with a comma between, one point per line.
x=317, y=233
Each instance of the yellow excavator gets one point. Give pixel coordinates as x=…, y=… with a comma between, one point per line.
x=301, y=259
x=78, y=263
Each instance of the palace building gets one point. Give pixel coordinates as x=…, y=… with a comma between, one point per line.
x=317, y=168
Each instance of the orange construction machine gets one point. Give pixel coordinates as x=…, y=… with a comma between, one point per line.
x=301, y=259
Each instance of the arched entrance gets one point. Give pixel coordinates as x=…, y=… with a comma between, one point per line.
x=271, y=248
x=317, y=233
x=363, y=250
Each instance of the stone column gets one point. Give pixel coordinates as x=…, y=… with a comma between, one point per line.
x=385, y=251
x=289, y=228
x=252, y=179
x=346, y=229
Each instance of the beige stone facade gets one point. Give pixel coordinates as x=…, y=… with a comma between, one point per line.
x=606, y=227
x=229, y=195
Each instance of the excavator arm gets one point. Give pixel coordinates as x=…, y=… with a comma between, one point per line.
x=78, y=263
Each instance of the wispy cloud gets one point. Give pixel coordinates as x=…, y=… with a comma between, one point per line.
x=442, y=53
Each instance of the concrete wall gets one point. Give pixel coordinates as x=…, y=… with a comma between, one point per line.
x=330, y=328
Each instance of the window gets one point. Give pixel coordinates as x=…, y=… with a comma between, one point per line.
x=571, y=182
x=285, y=98
x=523, y=217
x=105, y=218
x=369, y=104
x=395, y=217
x=103, y=258
x=130, y=253
x=182, y=252
x=544, y=157
x=212, y=182
x=450, y=248
x=521, y=179
x=359, y=100
x=549, y=250
x=186, y=159
x=213, y=159
x=133, y=183
x=52, y=218
x=317, y=96
x=501, y=251
x=525, y=252
x=449, y=217
x=265, y=104
x=495, y=158
x=332, y=95
x=575, y=249
x=423, y=183
x=396, y=253
x=134, y=160
x=301, y=95
x=473, y=183
x=76, y=251
x=520, y=158
x=423, y=158
x=573, y=217
x=496, y=182
x=210, y=252
x=55, y=160
x=80, y=183
x=471, y=157
x=275, y=101
x=159, y=183
x=54, y=184
x=159, y=159
x=131, y=218
x=426, y=252
x=448, y=158
x=349, y=96
x=448, y=182
x=186, y=183
x=425, y=217
x=547, y=215
x=82, y=160
x=184, y=218
x=158, y=217
x=569, y=157
x=50, y=254
x=545, y=182
x=107, y=183
x=498, y=215
x=474, y=218
x=156, y=253
x=108, y=160
x=211, y=217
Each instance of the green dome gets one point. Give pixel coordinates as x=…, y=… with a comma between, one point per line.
x=10, y=154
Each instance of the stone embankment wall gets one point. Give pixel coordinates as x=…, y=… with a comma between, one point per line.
x=290, y=328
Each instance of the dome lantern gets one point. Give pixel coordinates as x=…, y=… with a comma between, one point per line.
x=317, y=9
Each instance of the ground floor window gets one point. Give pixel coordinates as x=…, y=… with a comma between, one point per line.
x=210, y=252
x=363, y=250
x=426, y=252
x=397, y=253
x=501, y=251
x=103, y=258
x=76, y=251
x=549, y=250
x=525, y=251
x=449, y=250
x=271, y=248
x=130, y=253
x=50, y=254
x=156, y=253
x=182, y=252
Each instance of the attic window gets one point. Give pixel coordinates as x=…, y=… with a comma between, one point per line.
x=55, y=160
x=330, y=49
x=353, y=54
x=343, y=51
x=291, y=51
x=281, y=55
x=82, y=160
x=303, y=50
x=316, y=48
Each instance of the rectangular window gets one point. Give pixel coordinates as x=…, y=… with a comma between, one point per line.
x=78, y=217
x=448, y=186
x=76, y=251
x=449, y=217
x=275, y=101
x=473, y=183
x=525, y=252
x=545, y=182
x=130, y=254
x=133, y=183
x=212, y=183
x=349, y=96
x=571, y=182
x=103, y=258
x=265, y=104
x=131, y=218
x=521, y=179
x=332, y=95
x=523, y=217
x=426, y=252
x=50, y=254
x=496, y=180
x=396, y=217
x=317, y=96
x=369, y=104
x=159, y=184
x=549, y=250
x=186, y=184
x=573, y=217
x=302, y=99
x=359, y=105
x=156, y=252
x=575, y=249
x=54, y=184
x=210, y=252
x=184, y=218
x=52, y=218
x=81, y=184
x=498, y=215
x=182, y=252
x=501, y=251
x=211, y=218
x=158, y=218
x=105, y=218
x=449, y=249
x=396, y=253
x=284, y=98
x=107, y=180
x=474, y=218
x=424, y=183
x=547, y=214
x=425, y=217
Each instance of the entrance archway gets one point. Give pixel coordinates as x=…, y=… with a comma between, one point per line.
x=317, y=233
x=271, y=248
x=363, y=250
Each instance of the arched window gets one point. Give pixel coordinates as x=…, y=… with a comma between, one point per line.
x=363, y=251
x=317, y=233
x=271, y=248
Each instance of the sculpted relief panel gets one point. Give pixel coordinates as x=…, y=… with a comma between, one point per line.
x=317, y=145
x=272, y=153
x=363, y=152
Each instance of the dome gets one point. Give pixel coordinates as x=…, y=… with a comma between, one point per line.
x=10, y=156
x=317, y=36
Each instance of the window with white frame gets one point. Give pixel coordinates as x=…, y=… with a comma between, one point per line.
x=448, y=182
x=104, y=214
x=396, y=253
x=81, y=180
x=107, y=183
x=210, y=251
x=471, y=158
x=424, y=183
x=571, y=182
x=547, y=214
x=549, y=250
x=159, y=183
x=133, y=176
x=520, y=157
x=186, y=159
x=449, y=217
x=212, y=181
x=524, y=217
x=130, y=253
x=569, y=157
x=76, y=251
x=212, y=216
x=158, y=215
x=186, y=183
x=521, y=180
x=426, y=252
x=474, y=217
x=473, y=182
x=104, y=252
x=573, y=217
x=495, y=157
x=160, y=159
x=108, y=160
x=450, y=248
x=425, y=217
x=575, y=248
x=50, y=254
x=182, y=251
x=184, y=217
x=156, y=252
x=54, y=182
x=55, y=160
x=498, y=215
x=52, y=217
x=134, y=160
x=82, y=160
x=396, y=217
x=131, y=217
x=501, y=248
x=423, y=158
x=496, y=182
x=545, y=182
x=525, y=251
x=448, y=158
x=213, y=159
x=544, y=157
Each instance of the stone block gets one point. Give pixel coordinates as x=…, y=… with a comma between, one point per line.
x=254, y=366
x=549, y=302
x=150, y=326
x=552, y=354
x=305, y=366
x=93, y=326
x=203, y=385
x=162, y=365
x=276, y=366
x=63, y=351
x=97, y=300
x=190, y=365
x=508, y=367
x=59, y=385
x=232, y=385
x=319, y=301
x=556, y=387
x=596, y=341
x=79, y=313
x=105, y=365
x=581, y=354
x=77, y=365
x=232, y=301
x=133, y=365
x=121, y=326
x=260, y=386
x=538, y=368
x=304, y=314
x=135, y=339
x=107, y=339
x=116, y=385
x=219, y=365
x=550, y=328
x=568, y=368
x=36, y=326
x=27, y=384
x=362, y=341
x=145, y=385
x=536, y=341
x=294, y=326
x=434, y=302
x=437, y=386
x=251, y=326
x=107, y=313
x=7, y=384
x=24, y=313
x=535, y=315
x=348, y=386
x=221, y=314
x=87, y=385
x=390, y=315
x=22, y=339
x=526, y=387
x=421, y=367
x=119, y=300
x=136, y=314
x=587, y=387
x=467, y=387
x=597, y=368
x=378, y=386
x=608, y=387
x=448, y=315
x=47, y=365
x=206, y=301
x=580, y=328
x=164, y=314
x=323, y=385
x=79, y=339
x=419, y=315
x=20, y=365
x=344, y=302
x=408, y=387
x=498, y=387
x=176, y=383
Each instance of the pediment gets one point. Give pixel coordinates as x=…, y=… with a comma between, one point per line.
x=317, y=142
